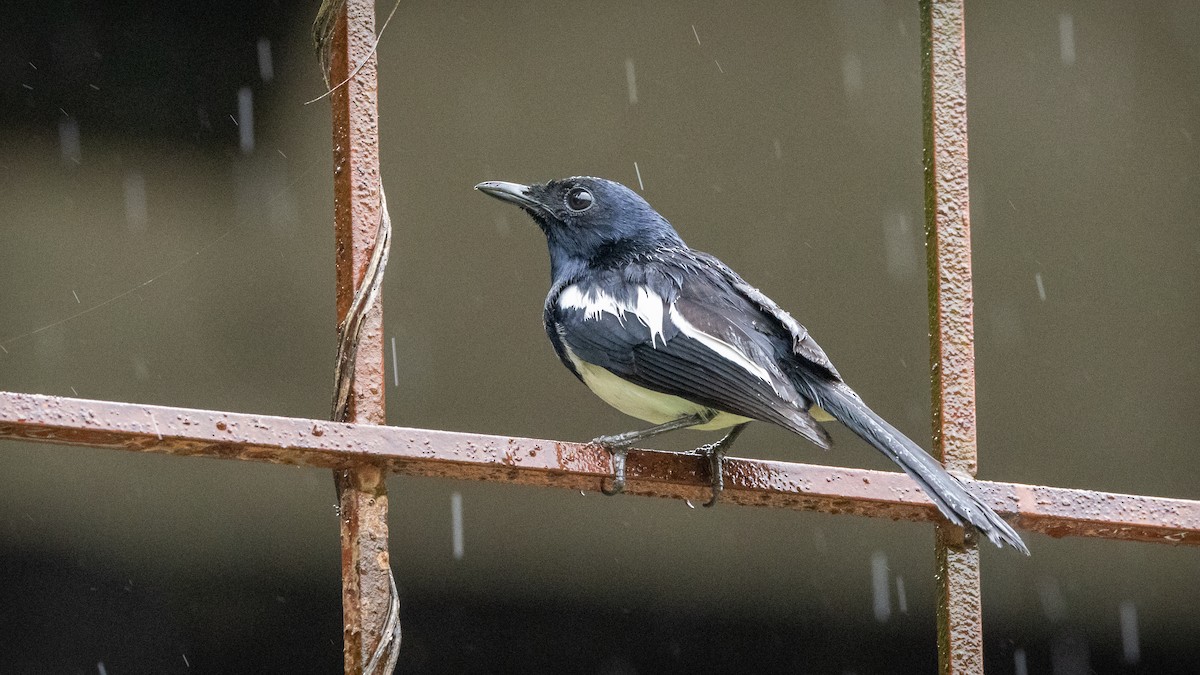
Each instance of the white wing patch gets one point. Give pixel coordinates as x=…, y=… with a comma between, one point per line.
x=649, y=311
x=649, y=308
x=593, y=305
x=721, y=347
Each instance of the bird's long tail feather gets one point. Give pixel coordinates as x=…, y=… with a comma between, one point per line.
x=955, y=500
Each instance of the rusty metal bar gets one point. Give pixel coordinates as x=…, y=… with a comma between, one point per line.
x=952, y=353
x=1058, y=512
x=362, y=491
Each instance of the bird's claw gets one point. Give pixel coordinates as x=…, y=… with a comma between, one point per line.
x=619, y=453
x=715, y=452
x=618, y=486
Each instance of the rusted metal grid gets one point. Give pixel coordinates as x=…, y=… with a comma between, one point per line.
x=363, y=454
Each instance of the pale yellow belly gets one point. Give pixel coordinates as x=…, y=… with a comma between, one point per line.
x=645, y=404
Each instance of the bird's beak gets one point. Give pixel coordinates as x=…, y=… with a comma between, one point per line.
x=514, y=193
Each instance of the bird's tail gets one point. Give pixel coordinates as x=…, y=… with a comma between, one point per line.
x=954, y=499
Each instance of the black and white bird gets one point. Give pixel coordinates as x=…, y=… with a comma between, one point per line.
x=674, y=337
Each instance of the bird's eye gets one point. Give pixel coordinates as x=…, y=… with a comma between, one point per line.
x=579, y=199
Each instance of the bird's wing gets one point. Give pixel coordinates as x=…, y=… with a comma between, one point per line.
x=802, y=344
x=690, y=336
x=821, y=381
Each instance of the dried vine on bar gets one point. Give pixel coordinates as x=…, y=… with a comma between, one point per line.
x=350, y=329
x=362, y=498
x=387, y=651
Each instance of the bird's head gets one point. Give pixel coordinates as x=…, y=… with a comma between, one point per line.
x=588, y=220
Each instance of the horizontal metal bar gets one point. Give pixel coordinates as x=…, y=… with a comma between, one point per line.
x=1058, y=512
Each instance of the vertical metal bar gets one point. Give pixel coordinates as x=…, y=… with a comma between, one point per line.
x=363, y=502
x=948, y=239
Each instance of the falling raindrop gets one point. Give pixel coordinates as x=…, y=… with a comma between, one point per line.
x=154, y=423
x=1130, y=642
x=852, y=75
x=778, y=149
x=456, y=524
x=1020, y=662
x=135, y=202
x=1037, y=278
x=819, y=541
x=266, y=66
x=879, y=587
x=245, y=120
x=631, y=81
x=1066, y=39
x=901, y=595
x=695, y=33
x=68, y=141
x=901, y=246
x=1054, y=606
x=639, y=177
x=395, y=364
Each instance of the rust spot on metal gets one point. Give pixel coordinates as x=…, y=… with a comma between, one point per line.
x=960, y=611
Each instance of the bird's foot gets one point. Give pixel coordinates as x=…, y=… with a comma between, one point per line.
x=618, y=447
x=714, y=452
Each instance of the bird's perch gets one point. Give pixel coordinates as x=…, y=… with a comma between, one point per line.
x=1058, y=512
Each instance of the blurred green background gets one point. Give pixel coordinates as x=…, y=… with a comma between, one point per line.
x=166, y=238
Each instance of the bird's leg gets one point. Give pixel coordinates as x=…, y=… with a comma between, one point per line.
x=619, y=444
x=715, y=452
